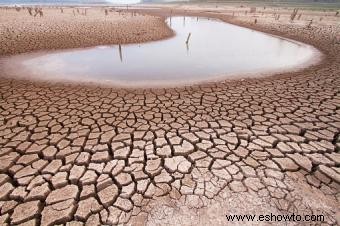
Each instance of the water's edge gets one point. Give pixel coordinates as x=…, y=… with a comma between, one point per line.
x=318, y=56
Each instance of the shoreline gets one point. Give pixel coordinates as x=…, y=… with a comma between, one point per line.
x=317, y=59
x=322, y=56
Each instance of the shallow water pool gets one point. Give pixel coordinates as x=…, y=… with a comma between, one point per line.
x=215, y=50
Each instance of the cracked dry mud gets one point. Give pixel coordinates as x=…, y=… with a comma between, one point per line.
x=22, y=33
x=75, y=154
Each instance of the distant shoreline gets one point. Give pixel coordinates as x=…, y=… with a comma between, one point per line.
x=309, y=4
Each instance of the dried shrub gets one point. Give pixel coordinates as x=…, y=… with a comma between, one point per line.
x=294, y=13
x=277, y=17
x=29, y=9
x=310, y=23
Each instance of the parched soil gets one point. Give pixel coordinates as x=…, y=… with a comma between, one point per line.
x=181, y=156
x=58, y=29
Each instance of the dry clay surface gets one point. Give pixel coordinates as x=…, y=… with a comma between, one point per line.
x=75, y=154
x=71, y=28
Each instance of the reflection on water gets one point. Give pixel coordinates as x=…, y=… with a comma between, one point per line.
x=120, y=53
x=213, y=49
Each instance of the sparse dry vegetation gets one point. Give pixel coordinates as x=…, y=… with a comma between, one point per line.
x=299, y=17
x=29, y=9
x=310, y=23
x=293, y=15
